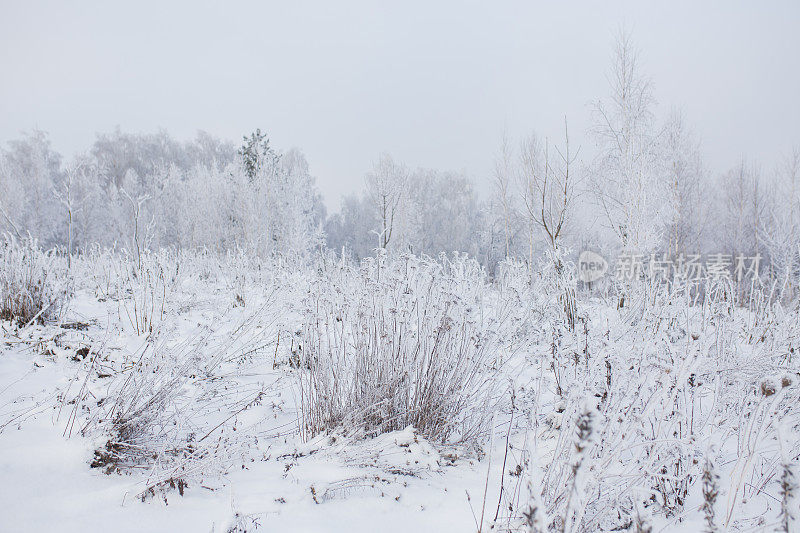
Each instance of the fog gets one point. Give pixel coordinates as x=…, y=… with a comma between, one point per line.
x=433, y=85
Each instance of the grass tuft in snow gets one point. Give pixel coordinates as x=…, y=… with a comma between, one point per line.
x=398, y=343
x=33, y=283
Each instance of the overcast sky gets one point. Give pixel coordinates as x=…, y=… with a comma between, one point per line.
x=434, y=85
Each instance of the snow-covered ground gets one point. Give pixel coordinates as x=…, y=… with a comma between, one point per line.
x=663, y=392
x=397, y=480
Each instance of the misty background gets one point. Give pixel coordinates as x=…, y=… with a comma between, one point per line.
x=434, y=85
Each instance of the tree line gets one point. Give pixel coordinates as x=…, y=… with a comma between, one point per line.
x=644, y=188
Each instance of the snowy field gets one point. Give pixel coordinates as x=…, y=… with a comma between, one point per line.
x=190, y=392
x=527, y=267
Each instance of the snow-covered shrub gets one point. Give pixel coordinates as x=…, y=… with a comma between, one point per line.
x=398, y=343
x=99, y=270
x=683, y=374
x=557, y=274
x=176, y=409
x=34, y=284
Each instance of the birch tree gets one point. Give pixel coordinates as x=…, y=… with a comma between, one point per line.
x=69, y=195
x=385, y=190
x=503, y=180
x=686, y=174
x=627, y=177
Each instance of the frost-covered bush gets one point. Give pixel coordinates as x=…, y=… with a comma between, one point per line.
x=398, y=343
x=547, y=290
x=34, y=284
x=148, y=285
x=174, y=409
x=141, y=286
x=674, y=381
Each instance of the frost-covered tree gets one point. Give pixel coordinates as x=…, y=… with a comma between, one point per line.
x=194, y=208
x=297, y=211
x=627, y=177
x=504, y=174
x=208, y=151
x=781, y=227
x=547, y=184
x=11, y=199
x=136, y=197
x=386, y=186
x=741, y=209
x=440, y=215
x=548, y=193
x=29, y=169
x=257, y=155
x=352, y=230
x=426, y=212
x=75, y=189
x=689, y=196
x=118, y=152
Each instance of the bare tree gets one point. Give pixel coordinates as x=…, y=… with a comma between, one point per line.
x=137, y=202
x=386, y=187
x=548, y=192
x=503, y=175
x=548, y=188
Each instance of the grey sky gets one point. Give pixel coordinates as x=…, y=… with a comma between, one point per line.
x=434, y=85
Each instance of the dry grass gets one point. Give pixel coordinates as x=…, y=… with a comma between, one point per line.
x=33, y=284
x=397, y=344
